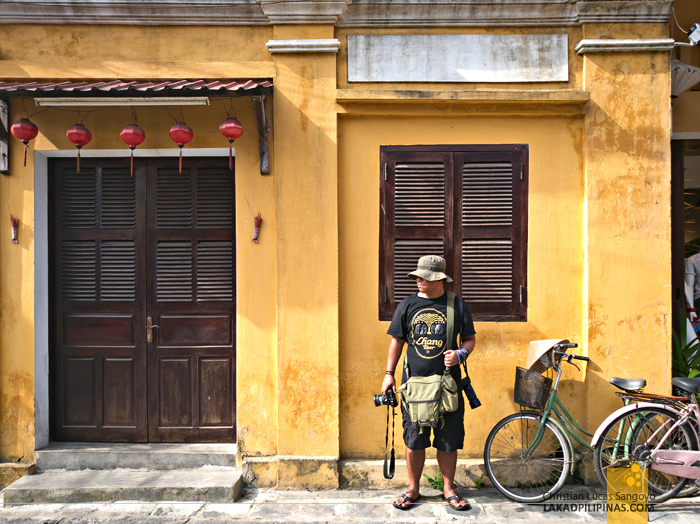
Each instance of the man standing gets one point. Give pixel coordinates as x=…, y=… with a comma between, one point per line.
x=421, y=320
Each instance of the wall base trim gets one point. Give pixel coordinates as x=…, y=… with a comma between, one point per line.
x=291, y=472
x=13, y=471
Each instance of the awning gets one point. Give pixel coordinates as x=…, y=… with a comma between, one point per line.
x=138, y=88
x=151, y=92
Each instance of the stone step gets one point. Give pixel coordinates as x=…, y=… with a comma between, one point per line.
x=98, y=456
x=66, y=487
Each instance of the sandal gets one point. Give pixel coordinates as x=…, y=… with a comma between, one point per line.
x=456, y=498
x=406, y=500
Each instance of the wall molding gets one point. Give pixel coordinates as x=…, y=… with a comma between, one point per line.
x=152, y=12
x=322, y=45
x=347, y=13
x=617, y=45
x=307, y=12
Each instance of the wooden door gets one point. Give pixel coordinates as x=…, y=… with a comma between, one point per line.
x=124, y=249
x=191, y=297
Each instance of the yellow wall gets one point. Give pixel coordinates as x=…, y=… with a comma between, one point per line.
x=555, y=269
x=627, y=285
x=306, y=199
x=134, y=52
x=256, y=263
x=310, y=350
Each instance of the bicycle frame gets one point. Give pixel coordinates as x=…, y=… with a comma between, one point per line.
x=562, y=418
x=678, y=462
x=675, y=462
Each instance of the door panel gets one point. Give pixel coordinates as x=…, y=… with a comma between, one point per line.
x=191, y=297
x=157, y=245
x=98, y=299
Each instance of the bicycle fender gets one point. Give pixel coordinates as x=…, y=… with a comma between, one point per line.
x=628, y=409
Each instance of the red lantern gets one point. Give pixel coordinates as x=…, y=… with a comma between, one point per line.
x=181, y=134
x=132, y=135
x=231, y=128
x=25, y=131
x=80, y=136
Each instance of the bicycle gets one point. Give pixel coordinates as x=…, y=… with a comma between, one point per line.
x=528, y=455
x=658, y=433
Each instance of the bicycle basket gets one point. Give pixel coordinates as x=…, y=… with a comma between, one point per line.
x=531, y=388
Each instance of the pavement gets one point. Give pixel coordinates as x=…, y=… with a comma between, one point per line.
x=573, y=504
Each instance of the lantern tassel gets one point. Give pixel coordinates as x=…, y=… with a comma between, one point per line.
x=180, y=159
x=78, y=160
x=132, y=162
x=230, y=157
x=25, y=155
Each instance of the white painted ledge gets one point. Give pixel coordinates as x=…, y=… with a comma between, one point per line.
x=325, y=45
x=617, y=45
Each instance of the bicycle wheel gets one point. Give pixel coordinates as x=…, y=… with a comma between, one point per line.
x=658, y=481
x=629, y=439
x=523, y=476
x=692, y=487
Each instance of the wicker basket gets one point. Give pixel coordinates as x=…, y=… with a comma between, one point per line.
x=531, y=388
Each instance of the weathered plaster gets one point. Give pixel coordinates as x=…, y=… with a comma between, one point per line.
x=458, y=58
x=555, y=264
x=627, y=198
x=306, y=202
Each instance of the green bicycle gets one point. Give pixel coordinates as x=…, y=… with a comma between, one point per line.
x=529, y=455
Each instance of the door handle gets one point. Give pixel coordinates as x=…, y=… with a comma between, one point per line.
x=149, y=329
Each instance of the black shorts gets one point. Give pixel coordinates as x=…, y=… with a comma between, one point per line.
x=449, y=437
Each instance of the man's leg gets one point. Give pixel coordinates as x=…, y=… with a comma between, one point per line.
x=415, y=460
x=448, y=467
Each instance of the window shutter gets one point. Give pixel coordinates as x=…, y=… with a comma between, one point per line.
x=492, y=232
x=416, y=219
x=466, y=203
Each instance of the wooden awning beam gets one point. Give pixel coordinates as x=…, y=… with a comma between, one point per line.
x=260, y=104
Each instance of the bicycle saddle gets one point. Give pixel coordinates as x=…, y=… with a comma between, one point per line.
x=628, y=384
x=691, y=385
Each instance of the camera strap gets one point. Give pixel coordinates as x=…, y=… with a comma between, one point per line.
x=450, y=318
x=389, y=467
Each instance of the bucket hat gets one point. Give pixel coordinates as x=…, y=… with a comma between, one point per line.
x=431, y=267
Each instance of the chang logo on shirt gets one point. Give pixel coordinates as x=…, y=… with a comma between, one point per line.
x=428, y=333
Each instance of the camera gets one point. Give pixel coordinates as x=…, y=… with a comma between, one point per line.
x=694, y=34
x=466, y=385
x=388, y=400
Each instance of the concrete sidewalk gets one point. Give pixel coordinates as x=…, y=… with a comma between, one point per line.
x=269, y=506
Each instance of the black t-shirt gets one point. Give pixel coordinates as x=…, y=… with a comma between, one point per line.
x=422, y=323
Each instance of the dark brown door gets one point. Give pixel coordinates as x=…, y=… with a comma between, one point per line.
x=119, y=257
x=191, y=365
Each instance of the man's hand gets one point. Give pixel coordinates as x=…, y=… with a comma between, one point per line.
x=389, y=383
x=451, y=359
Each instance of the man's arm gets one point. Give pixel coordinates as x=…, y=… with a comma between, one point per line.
x=454, y=358
x=395, y=349
x=689, y=292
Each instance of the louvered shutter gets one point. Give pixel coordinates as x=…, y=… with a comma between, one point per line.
x=492, y=231
x=416, y=219
x=200, y=271
x=101, y=268
x=466, y=203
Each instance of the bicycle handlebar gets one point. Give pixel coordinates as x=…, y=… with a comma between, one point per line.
x=567, y=356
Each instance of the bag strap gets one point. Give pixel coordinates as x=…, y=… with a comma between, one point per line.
x=450, y=318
